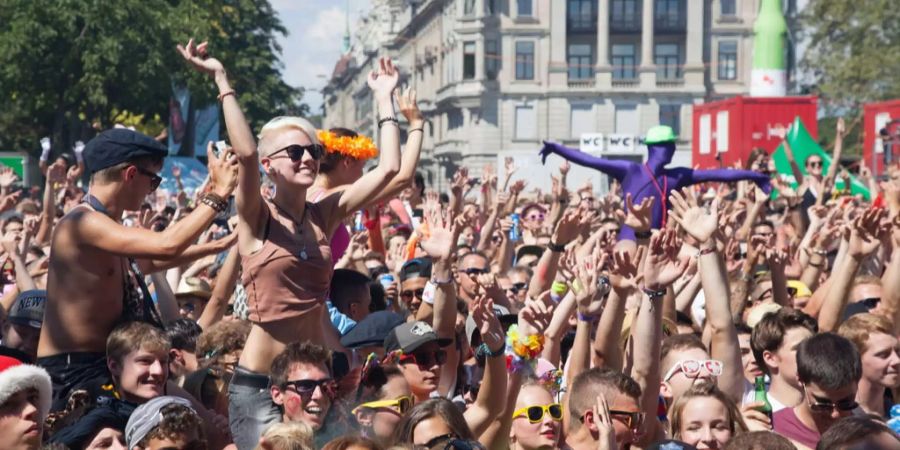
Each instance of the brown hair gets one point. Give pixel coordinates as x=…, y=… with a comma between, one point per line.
x=759, y=440
x=859, y=326
x=114, y=173
x=755, y=154
x=854, y=431
x=223, y=338
x=706, y=389
x=176, y=420
x=436, y=407
x=345, y=442
x=768, y=334
x=133, y=336
x=298, y=353
x=679, y=342
x=591, y=383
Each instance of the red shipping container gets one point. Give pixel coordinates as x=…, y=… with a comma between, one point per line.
x=880, y=116
x=726, y=131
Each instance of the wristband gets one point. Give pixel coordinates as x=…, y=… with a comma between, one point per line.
x=654, y=294
x=556, y=248
x=214, y=201
x=428, y=293
x=484, y=350
x=388, y=119
x=586, y=318
x=415, y=129
x=559, y=288
x=437, y=282
x=643, y=234
x=706, y=251
x=226, y=94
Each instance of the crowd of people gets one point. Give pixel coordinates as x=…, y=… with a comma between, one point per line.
x=338, y=302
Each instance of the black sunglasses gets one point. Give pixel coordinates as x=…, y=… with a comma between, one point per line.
x=449, y=441
x=409, y=293
x=306, y=387
x=155, y=179
x=295, y=152
x=474, y=271
x=871, y=302
x=516, y=287
x=425, y=359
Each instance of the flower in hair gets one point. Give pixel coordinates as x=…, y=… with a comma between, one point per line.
x=359, y=147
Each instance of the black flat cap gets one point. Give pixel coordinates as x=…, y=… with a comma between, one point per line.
x=372, y=330
x=120, y=145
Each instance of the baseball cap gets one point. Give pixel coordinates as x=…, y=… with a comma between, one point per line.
x=416, y=268
x=28, y=309
x=372, y=330
x=660, y=134
x=412, y=335
x=120, y=145
x=148, y=416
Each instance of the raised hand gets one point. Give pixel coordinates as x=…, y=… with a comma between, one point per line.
x=510, y=165
x=695, y=220
x=564, y=168
x=661, y=266
x=56, y=173
x=605, y=429
x=624, y=270
x=517, y=187
x=568, y=228
x=197, y=57
x=460, y=181
x=10, y=201
x=439, y=244
x=841, y=127
x=864, y=233
x=487, y=323
x=638, y=217
x=589, y=286
x=10, y=243
x=223, y=171
x=383, y=81
x=535, y=316
x=408, y=107
x=7, y=177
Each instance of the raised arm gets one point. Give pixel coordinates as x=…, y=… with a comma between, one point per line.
x=690, y=176
x=358, y=194
x=249, y=200
x=863, y=242
x=615, y=168
x=410, y=158
x=225, y=283
x=702, y=225
x=828, y=182
x=56, y=175
x=490, y=400
x=781, y=133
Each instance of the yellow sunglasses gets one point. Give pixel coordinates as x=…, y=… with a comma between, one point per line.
x=402, y=404
x=536, y=413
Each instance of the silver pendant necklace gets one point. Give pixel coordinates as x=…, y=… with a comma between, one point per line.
x=298, y=228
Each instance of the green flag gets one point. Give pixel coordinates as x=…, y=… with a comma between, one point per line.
x=803, y=146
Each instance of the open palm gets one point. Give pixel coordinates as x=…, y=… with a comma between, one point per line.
x=662, y=267
x=696, y=220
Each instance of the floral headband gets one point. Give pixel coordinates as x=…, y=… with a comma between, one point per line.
x=359, y=147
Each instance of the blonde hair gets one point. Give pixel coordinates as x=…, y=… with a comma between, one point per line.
x=859, y=327
x=706, y=389
x=288, y=436
x=282, y=123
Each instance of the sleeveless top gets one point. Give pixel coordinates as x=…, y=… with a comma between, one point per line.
x=279, y=283
x=340, y=240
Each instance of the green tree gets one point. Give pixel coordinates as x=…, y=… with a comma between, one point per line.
x=854, y=51
x=71, y=67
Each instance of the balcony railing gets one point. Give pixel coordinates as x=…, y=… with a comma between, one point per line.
x=581, y=83
x=626, y=83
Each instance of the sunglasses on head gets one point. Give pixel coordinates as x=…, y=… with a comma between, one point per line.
x=425, y=359
x=400, y=405
x=409, y=293
x=306, y=388
x=449, y=441
x=871, y=302
x=474, y=271
x=155, y=179
x=536, y=413
x=295, y=151
x=691, y=368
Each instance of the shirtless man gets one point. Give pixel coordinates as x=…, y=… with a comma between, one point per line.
x=95, y=277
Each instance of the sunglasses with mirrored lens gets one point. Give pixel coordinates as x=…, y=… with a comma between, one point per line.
x=409, y=293
x=155, y=179
x=633, y=420
x=425, y=359
x=306, y=388
x=295, y=152
x=536, y=413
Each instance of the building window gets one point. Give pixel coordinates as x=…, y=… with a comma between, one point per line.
x=623, y=61
x=581, y=120
x=525, y=60
x=727, y=62
x=525, y=8
x=468, y=60
x=454, y=119
x=468, y=7
x=668, y=61
x=491, y=59
x=363, y=105
x=670, y=115
x=526, y=122
x=581, y=15
x=627, y=120
x=625, y=14
x=669, y=14
x=580, y=62
x=729, y=7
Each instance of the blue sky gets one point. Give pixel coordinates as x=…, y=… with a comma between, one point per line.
x=313, y=45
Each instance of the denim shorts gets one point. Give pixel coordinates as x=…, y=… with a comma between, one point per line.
x=250, y=407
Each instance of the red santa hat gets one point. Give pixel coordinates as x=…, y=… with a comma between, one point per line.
x=16, y=377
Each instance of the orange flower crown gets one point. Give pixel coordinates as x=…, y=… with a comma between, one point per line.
x=359, y=147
